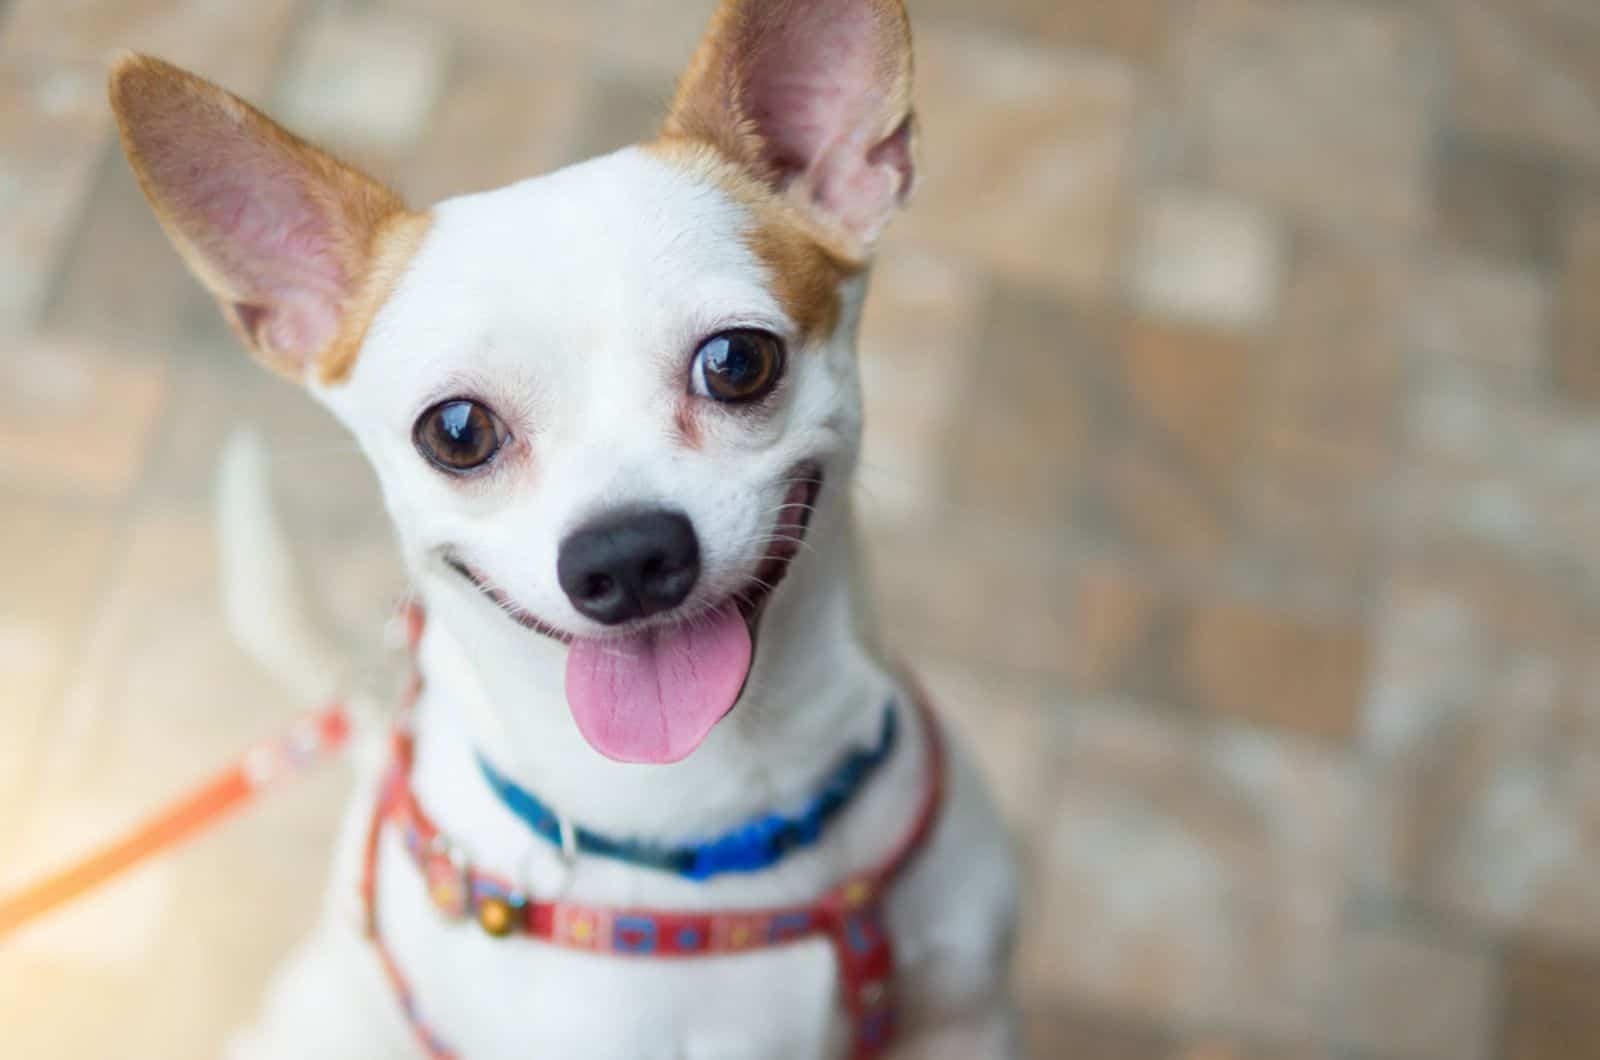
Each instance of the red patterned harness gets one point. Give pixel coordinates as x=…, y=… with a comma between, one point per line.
x=850, y=915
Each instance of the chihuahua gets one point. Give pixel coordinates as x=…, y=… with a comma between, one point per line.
x=658, y=793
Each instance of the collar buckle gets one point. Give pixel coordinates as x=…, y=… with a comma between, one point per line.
x=449, y=877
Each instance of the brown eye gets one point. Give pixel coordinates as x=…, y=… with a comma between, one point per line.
x=458, y=435
x=736, y=366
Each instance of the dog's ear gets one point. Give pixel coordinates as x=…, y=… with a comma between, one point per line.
x=812, y=97
x=299, y=248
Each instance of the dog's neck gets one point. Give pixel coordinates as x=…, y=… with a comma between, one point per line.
x=817, y=689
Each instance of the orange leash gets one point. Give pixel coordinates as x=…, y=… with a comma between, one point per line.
x=308, y=742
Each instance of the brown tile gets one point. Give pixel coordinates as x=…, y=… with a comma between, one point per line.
x=1484, y=323
x=54, y=124
x=1335, y=373
x=496, y=25
x=1577, y=360
x=1407, y=992
x=1482, y=730
x=239, y=46
x=1027, y=408
x=1222, y=1047
x=1505, y=469
x=1249, y=660
x=1091, y=1036
x=650, y=40
x=1499, y=203
x=76, y=419
x=472, y=146
x=52, y=560
x=1319, y=108
x=659, y=38
x=1325, y=433
x=1024, y=154
x=362, y=82
x=1140, y=503
x=1187, y=388
x=1119, y=623
x=1189, y=873
x=1550, y=1013
x=1171, y=427
x=1311, y=520
x=917, y=349
x=158, y=306
x=1135, y=30
x=618, y=108
x=1206, y=259
x=1525, y=73
x=930, y=582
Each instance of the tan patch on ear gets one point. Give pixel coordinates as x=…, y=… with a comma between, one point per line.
x=708, y=105
x=395, y=243
x=712, y=106
x=705, y=107
x=373, y=233
x=806, y=268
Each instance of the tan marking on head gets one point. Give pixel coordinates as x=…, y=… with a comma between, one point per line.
x=395, y=243
x=804, y=267
x=166, y=114
x=706, y=110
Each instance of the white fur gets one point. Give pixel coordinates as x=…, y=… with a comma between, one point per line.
x=571, y=304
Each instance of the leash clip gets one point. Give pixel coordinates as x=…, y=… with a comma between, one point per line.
x=567, y=855
x=569, y=842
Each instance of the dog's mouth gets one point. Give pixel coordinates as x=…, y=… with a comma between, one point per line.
x=788, y=537
x=651, y=691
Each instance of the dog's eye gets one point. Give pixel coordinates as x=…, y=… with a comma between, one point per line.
x=458, y=435
x=737, y=366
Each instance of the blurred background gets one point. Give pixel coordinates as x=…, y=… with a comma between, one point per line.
x=1232, y=476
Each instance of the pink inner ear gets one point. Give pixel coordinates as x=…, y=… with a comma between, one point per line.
x=817, y=88
x=244, y=203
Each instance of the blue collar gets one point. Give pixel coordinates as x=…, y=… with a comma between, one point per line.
x=755, y=845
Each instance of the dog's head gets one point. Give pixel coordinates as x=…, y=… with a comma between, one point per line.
x=602, y=403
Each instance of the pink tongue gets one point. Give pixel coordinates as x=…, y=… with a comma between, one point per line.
x=654, y=696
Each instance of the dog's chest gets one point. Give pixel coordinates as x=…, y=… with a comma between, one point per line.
x=487, y=997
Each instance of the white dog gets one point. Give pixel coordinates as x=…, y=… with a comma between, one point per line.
x=658, y=795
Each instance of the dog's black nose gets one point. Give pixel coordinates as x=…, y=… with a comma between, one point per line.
x=629, y=564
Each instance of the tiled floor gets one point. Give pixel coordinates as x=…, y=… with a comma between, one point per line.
x=1237, y=372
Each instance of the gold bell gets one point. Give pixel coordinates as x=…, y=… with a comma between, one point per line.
x=497, y=916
